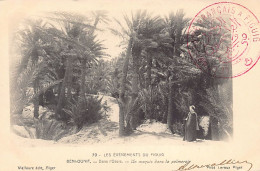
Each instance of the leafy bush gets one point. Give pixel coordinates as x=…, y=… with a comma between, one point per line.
x=178, y=128
x=43, y=128
x=51, y=129
x=84, y=111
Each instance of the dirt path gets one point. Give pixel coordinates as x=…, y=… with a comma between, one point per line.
x=106, y=132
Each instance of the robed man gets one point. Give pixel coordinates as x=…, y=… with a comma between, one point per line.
x=191, y=125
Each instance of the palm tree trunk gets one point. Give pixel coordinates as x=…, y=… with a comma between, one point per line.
x=214, y=129
x=122, y=100
x=69, y=95
x=35, y=84
x=82, y=92
x=165, y=116
x=149, y=71
x=170, y=98
x=148, y=112
x=63, y=87
x=133, y=115
x=170, y=107
x=36, y=100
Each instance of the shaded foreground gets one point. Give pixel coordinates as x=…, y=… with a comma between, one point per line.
x=105, y=132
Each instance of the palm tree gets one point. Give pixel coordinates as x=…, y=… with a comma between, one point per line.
x=175, y=25
x=93, y=48
x=132, y=34
x=213, y=50
x=31, y=68
x=68, y=35
x=70, y=54
x=151, y=39
x=31, y=42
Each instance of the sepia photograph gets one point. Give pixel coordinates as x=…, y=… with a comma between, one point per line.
x=156, y=80
x=138, y=80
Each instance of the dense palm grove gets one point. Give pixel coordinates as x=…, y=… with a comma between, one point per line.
x=59, y=64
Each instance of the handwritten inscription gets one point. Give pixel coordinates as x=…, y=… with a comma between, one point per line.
x=225, y=164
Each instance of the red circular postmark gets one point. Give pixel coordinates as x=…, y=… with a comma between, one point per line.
x=224, y=39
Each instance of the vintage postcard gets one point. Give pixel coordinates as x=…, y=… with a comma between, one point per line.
x=168, y=85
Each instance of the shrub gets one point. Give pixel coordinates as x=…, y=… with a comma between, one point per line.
x=47, y=129
x=178, y=128
x=51, y=129
x=84, y=111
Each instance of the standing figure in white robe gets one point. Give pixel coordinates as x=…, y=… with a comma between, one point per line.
x=191, y=125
